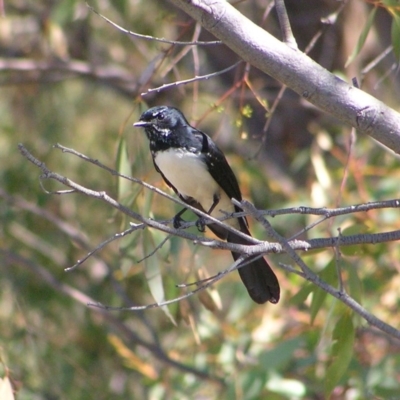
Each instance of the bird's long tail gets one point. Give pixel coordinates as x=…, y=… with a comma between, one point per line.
x=258, y=277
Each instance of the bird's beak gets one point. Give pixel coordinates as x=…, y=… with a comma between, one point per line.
x=141, y=124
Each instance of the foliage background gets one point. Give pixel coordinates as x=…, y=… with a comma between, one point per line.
x=68, y=76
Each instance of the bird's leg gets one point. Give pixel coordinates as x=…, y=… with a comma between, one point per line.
x=178, y=221
x=201, y=222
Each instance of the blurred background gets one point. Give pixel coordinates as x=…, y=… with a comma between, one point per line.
x=68, y=76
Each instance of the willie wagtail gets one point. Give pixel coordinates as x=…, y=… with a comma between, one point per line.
x=196, y=169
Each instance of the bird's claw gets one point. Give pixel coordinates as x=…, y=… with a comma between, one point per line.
x=178, y=221
x=201, y=224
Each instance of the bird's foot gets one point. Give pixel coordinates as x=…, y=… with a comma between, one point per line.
x=178, y=221
x=201, y=224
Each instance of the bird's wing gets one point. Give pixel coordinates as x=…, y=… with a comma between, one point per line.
x=218, y=166
x=220, y=170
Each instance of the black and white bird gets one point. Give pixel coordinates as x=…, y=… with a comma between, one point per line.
x=197, y=170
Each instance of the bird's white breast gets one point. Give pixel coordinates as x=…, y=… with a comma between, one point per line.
x=188, y=173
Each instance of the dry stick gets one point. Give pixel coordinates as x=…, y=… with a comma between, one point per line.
x=327, y=22
x=330, y=213
x=152, y=38
x=116, y=236
x=312, y=277
x=47, y=174
x=333, y=212
x=154, y=251
x=191, y=80
x=394, y=67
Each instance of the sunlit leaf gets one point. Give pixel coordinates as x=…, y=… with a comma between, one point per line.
x=247, y=111
x=132, y=360
x=6, y=391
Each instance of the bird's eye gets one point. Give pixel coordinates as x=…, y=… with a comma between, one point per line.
x=160, y=116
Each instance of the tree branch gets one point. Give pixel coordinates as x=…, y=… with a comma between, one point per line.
x=308, y=274
x=259, y=248
x=247, y=251
x=296, y=70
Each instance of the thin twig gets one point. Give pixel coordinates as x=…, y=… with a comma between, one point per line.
x=154, y=251
x=337, y=262
x=186, y=81
x=314, y=278
x=152, y=38
x=238, y=263
x=376, y=60
x=116, y=236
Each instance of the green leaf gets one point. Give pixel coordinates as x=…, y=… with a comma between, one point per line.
x=317, y=302
x=328, y=275
x=280, y=356
x=341, y=352
x=301, y=296
x=396, y=36
x=121, y=6
x=363, y=36
x=354, y=283
x=247, y=111
x=153, y=272
x=123, y=167
x=63, y=12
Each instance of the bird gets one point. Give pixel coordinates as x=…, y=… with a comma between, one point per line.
x=193, y=166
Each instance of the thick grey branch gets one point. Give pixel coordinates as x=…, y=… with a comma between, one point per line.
x=296, y=70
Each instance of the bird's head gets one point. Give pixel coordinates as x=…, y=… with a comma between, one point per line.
x=161, y=120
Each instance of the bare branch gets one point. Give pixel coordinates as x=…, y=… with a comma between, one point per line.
x=152, y=38
x=248, y=252
x=296, y=70
x=260, y=247
x=155, y=249
x=312, y=277
x=191, y=80
x=116, y=236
